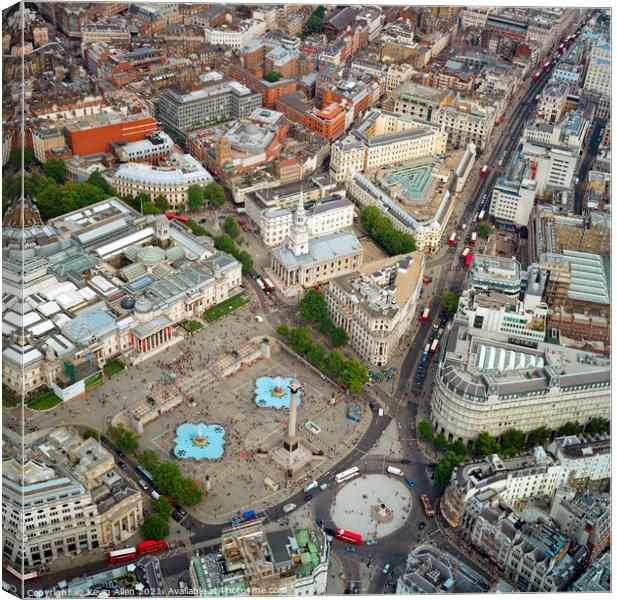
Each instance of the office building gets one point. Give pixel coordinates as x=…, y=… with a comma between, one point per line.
x=376, y=304
x=598, y=77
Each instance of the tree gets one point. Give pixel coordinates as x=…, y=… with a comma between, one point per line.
x=225, y=244
x=596, y=426
x=459, y=448
x=215, y=194
x=283, y=330
x=155, y=527
x=149, y=460
x=161, y=203
x=312, y=307
x=338, y=337
x=150, y=209
x=246, y=260
x=162, y=506
x=538, y=437
x=485, y=444
x=440, y=442
x=334, y=364
x=369, y=216
x=314, y=24
x=425, y=431
x=273, y=76
x=300, y=340
x=570, y=428
x=381, y=229
x=15, y=157
x=444, y=469
x=90, y=433
x=316, y=355
x=326, y=326
x=189, y=492
x=484, y=229
x=123, y=438
x=195, y=197
x=166, y=478
x=196, y=228
x=54, y=168
x=449, y=303
x=230, y=227
x=354, y=377
x=512, y=441
x=97, y=180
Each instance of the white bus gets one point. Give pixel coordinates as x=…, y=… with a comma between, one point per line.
x=346, y=475
x=260, y=283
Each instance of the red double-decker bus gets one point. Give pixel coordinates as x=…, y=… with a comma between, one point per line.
x=484, y=170
x=429, y=511
x=537, y=76
x=468, y=261
x=348, y=536
x=124, y=555
x=23, y=577
x=171, y=217
x=452, y=240
x=150, y=546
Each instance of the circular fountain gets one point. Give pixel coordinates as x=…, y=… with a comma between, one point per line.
x=199, y=441
x=273, y=392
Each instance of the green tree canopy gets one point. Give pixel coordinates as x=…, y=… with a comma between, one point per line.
x=97, y=180
x=125, y=439
x=161, y=203
x=596, y=426
x=338, y=337
x=90, y=433
x=149, y=460
x=230, y=227
x=449, y=303
x=484, y=229
x=314, y=24
x=312, y=306
x=459, y=448
x=440, y=442
x=195, y=197
x=444, y=469
x=512, y=441
x=334, y=364
x=150, y=208
x=225, y=244
x=316, y=355
x=189, y=492
x=155, y=527
x=300, y=340
x=162, y=506
x=326, y=326
x=570, y=428
x=354, y=377
x=425, y=431
x=54, y=168
x=215, y=194
x=538, y=437
x=166, y=478
x=382, y=230
x=246, y=260
x=283, y=330
x=485, y=444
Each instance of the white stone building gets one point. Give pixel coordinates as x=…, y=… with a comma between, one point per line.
x=172, y=180
x=376, y=305
x=598, y=77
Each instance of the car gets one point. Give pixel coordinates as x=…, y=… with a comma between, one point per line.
x=347, y=591
x=142, y=484
x=182, y=511
x=176, y=516
x=313, y=485
x=410, y=482
x=386, y=567
x=406, y=461
x=123, y=465
x=329, y=531
x=371, y=542
x=421, y=525
x=308, y=497
x=324, y=486
x=204, y=220
x=351, y=549
x=120, y=453
x=355, y=589
x=103, y=439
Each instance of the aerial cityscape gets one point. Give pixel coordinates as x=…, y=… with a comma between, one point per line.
x=305, y=299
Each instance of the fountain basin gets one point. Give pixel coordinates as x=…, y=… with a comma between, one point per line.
x=199, y=441
x=273, y=392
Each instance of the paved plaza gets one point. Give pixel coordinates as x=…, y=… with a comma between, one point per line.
x=354, y=507
x=236, y=480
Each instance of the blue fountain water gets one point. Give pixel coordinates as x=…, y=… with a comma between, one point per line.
x=264, y=396
x=212, y=448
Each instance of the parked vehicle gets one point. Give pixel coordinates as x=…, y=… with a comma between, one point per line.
x=351, y=549
x=142, y=484
x=289, y=507
x=409, y=481
x=123, y=465
x=395, y=471
x=386, y=568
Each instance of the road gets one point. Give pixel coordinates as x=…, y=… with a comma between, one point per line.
x=589, y=156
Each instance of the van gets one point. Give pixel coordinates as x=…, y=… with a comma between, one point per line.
x=289, y=507
x=142, y=484
x=395, y=471
x=324, y=486
x=380, y=412
x=155, y=494
x=311, y=486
